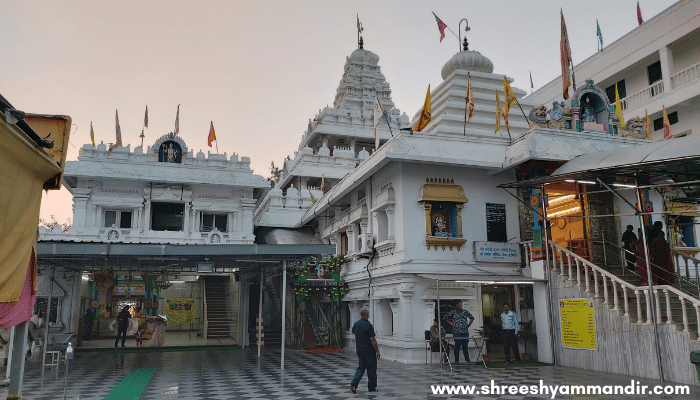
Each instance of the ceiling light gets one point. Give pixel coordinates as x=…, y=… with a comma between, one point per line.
x=623, y=185
x=587, y=182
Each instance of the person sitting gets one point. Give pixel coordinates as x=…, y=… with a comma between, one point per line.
x=435, y=342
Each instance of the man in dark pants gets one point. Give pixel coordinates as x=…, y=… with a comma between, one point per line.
x=460, y=320
x=367, y=352
x=122, y=325
x=509, y=323
x=627, y=238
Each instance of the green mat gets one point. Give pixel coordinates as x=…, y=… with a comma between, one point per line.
x=132, y=385
x=141, y=350
x=513, y=365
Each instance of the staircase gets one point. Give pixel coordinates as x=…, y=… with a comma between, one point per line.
x=318, y=322
x=217, y=307
x=624, y=320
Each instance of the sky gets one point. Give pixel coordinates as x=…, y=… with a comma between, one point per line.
x=259, y=70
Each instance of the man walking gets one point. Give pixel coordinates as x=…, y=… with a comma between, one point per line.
x=460, y=320
x=122, y=325
x=627, y=238
x=367, y=352
x=509, y=323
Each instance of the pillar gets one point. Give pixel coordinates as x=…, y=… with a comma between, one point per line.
x=667, y=68
x=406, y=291
x=187, y=222
x=19, y=349
x=390, y=222
x=80, y=198
x=543, y=316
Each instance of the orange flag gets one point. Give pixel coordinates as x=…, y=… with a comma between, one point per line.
x=425, y=114
x=667, y=126
x=565, y=51
x=469, y=98
x=212, y=134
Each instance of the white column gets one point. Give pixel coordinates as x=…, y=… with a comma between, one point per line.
x=80, y=198
x=186, y=215
x=543, y=317
x=390, y=222
x=406, y=291
x=19, y=349
x=147, y=216
x=394, y=316
x=667, y=68
x=352, y=238
x=377, y=318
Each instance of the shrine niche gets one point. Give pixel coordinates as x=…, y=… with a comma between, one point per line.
x=443, y=202
x=591, y=110
x=170, y=149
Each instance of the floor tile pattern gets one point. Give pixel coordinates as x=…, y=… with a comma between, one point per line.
x=241, y=375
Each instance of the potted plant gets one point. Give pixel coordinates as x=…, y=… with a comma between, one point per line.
x=526, y=335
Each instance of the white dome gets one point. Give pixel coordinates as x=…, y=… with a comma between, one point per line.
x=467, y=60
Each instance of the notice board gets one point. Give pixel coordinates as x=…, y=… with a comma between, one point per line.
x=578, y=324
x=496, y=223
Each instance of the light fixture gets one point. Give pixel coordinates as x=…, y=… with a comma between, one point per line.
x=624, y=185
x=482, y=282
x=570, y=210
x=558, y=199
x=587, y=182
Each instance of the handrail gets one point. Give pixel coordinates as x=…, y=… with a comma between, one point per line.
x=677, y=273
x=609, y=279
x=676, y=254
x=643, y=96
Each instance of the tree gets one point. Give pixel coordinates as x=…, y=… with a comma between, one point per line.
x=275, y=174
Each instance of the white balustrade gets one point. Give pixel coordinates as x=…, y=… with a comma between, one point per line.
x=627, y=302
x=578, y=273
x=605, y=289
x=616, y=301
x=686, y=76
x=643, y=96
x=669, y=316
x=640, y=319
x=685, y=315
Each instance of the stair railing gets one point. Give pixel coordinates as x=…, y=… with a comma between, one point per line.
x=679, y=277
x=319, y=322
x=206, y=311
x=564, y=262
x=677, y=256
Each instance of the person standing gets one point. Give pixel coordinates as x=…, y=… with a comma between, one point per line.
x=122, y=325
x=509, y=325
x=367, y=352
x=460, y=320
x=627, y=238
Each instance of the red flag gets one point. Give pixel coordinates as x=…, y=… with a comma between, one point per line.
x=145, y=120
x=118, y=143
x=177, y=120
x=212, y=134
x=639, y=15
x=441, y=27
x=565, y=50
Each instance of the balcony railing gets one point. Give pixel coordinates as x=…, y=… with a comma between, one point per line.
x=642, y=97
x=686, y=76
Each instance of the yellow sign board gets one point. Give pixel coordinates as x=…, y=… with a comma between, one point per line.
x=181, y=310
x=578, y=323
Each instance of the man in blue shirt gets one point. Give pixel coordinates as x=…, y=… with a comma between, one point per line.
x=367, y=352
x=509, y=323
x=460, y=320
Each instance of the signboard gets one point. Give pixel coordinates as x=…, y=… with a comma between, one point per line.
x=315, y=283
x=497, y=252
x=578, y=324
x=496, y=222
x=205, y=267
x=181, y=310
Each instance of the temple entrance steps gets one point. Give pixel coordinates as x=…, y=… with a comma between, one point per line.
x=217, y=307
x=619, y=289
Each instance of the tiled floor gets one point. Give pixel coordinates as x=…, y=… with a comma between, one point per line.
x=241, y=375
x=171, y=339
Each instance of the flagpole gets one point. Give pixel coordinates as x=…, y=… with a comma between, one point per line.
x=465, y=108
x=217, y=147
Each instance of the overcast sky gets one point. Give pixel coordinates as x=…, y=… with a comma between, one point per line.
x=260, y=69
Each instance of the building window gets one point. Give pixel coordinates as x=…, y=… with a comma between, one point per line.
x=167, y=216
x=654, y=71
x=622, y=91
x=123, y=218
x=211, y=221
x=443, y=202
x=672, y=119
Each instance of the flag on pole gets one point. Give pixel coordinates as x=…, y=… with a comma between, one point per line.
x=667, y=126
x=509, y=100
x=441, y=27
x=92, y=135
x=599, y=33
x=313, y=199
x=359, y=25
x=118, y=143
x=639, y=15
x=647, y=125
x=618, y=107
x=565, y=51
x=145, y=119
x=499, y=112
x=378, y=113
x=177, y=120
x=532, y=85
x=212, y=134
x=469, y=98
x=424, y=114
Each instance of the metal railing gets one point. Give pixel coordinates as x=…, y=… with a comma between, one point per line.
x=565, y=262
x=319, y=322
x=206, y=311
